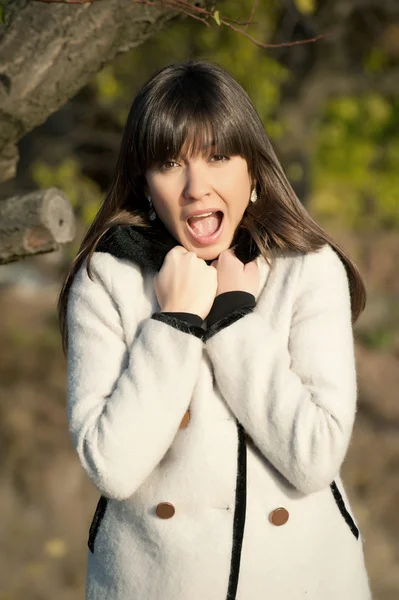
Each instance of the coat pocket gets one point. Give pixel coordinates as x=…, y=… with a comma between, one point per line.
x=343, y=510
x=96, y=522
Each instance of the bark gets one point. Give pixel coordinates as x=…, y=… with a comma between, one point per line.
x=33, y=224
x=50, y=51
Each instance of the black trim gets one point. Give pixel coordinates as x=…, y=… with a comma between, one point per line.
x=190, y=318
x=179, y=324
x=226, y=321
x=96, y=522
x=239, y=514
x=343, y=510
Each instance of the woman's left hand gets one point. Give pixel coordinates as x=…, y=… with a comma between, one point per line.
x=233, y=275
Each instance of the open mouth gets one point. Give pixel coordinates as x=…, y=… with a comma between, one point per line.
x=207, y=227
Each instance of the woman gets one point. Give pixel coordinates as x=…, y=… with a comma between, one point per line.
x=211, y=371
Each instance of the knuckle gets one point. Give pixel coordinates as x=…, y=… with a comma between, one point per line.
x=177, y=249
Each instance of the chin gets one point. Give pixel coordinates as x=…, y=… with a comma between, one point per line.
x=210, y=252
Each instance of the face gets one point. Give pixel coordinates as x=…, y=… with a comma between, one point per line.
x=201, y=183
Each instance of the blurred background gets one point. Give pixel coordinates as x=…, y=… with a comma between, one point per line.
x=331, y=108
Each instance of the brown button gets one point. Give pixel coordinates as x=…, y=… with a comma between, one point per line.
x=279, y=516
x=165, y=510
x=185, y=420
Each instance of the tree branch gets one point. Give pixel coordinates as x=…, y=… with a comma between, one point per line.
x=172, y=4
x=254, y=7
x=193, y=11
x=67, y=1
x=280, y=45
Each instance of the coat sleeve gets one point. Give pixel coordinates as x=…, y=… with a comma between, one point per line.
x=125, y=404
x=296, y=402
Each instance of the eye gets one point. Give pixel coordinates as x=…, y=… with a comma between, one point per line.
x=164, y=167
x=220, y=156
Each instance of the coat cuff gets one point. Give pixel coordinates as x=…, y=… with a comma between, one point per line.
x=228, y=302
x=189, y=318
x=187, y=322
x=227, y=308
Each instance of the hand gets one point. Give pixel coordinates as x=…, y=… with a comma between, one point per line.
x=233, y=275
x=185, y=283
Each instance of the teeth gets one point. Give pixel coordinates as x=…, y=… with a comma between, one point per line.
x=203, y=215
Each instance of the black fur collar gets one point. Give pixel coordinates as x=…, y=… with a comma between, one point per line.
x=148, y=246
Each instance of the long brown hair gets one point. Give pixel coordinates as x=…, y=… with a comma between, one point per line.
x=200, y=101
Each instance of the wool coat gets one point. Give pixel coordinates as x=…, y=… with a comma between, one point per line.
x=215, y=447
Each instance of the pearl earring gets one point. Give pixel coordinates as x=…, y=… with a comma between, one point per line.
x=254, y=195
x=151, y=213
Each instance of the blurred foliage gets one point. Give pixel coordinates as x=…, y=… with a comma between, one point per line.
x=380, y=338
x=376, y=60
x=108, y=87
x=305, y=6
x=84, y=193
x=355, y=163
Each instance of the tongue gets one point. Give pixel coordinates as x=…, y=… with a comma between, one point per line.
x=205, y=225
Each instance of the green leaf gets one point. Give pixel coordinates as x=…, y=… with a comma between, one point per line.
x=305, y=6
x=2, y=15
x=216, y=17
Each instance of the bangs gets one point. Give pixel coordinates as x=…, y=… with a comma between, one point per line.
x=190, y=121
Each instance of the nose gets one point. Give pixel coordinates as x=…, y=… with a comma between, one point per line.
x=197, y=181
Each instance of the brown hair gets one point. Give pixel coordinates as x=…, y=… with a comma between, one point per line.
x=201, y=102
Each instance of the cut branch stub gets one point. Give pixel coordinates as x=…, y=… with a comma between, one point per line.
x=33, y=224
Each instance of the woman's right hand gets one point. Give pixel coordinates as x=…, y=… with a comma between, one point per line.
x=185, y=283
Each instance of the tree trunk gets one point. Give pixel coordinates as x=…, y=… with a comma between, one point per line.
x=34, y=224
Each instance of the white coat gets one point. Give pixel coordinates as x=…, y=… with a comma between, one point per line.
x=217, y=457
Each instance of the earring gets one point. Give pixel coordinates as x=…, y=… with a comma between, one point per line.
x=254, y=195
x=151, y=213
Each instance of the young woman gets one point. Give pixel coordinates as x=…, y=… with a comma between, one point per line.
x=207, y=321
